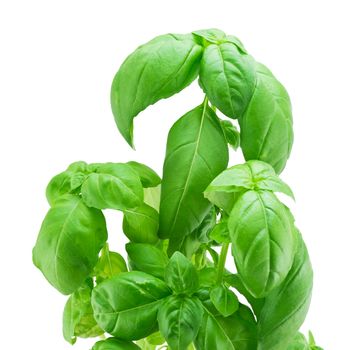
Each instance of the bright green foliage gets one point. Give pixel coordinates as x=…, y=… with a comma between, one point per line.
x=179, y=320
x=174, y=289
x=156, y=70
x=114, y=344
x=225, y=301
x=267, y=125
x=147, y=258
x=196, y=153
x=180, y=275
x=127, y=304
x=68, y=244
x=78, y=318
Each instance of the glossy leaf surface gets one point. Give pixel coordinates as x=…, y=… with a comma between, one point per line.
x=126, y=305
x=70, y=238
x=147, y=258
x=225, y=301
x=155, y=70
x=141, y=224
x=262, y=241
x=115, y=344
x=286, y=307
x=179, y=320
x=196, y=153
x=227, y=77
x=148, y=177
x=267, y=124
x=180, y=275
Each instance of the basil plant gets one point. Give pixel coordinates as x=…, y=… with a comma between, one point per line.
x=175, y=291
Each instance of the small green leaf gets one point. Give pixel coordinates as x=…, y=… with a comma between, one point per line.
x=69, y=241
x=231, y=134
x=252, y=175
x=207, y=276
x=58, y=186
x=148, y=177
x=141, y=224
x=77, y=180
x=180, y=275
x=225, y=301
x=114, y=344
x=113, y=186
x=179, y=320
x=147, y=258
x=78, y=318
x=126, y=305
x=220, y=232
x=152, y=197
x=109, y=265
x=299, y=343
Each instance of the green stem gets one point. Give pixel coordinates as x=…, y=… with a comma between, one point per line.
x=222, y=261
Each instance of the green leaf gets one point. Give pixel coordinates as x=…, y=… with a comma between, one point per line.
x=148, y=177
x=113, y=186
x=147, y=258
x=126, y=305
x=212, y=336
x=200, y=235
x=225, y=301
x=267, y=125
x=241, y=328
x=152, y=197
x=109, y=265
x=141, y=224
x=196, y=153
x=299, y=343
x=180, y=275
x=207, y=276
x=115, y=344
x=78, y=318
x=285, y=308
x=70, y=238
x=79, y=166
x=179, y=320
x=58, y=186
x=227, y=77
x=231, y=134
x=262, y=241
x=156, y=70
x=252, y=175
x=220, y=232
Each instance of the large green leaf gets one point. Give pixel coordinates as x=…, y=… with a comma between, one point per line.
x=179, y=320
x=267, y=125
x=113, y=186
x=180, y=275
x=285, y=308
x=114, y=344
x=78, y=318
x=147, y=258
x=262, y=241
x=196, y=153
x=126, y=305
x=227, y=77
x=212, y=336
x=70, y=238
x=156, y=70
x=141, y=224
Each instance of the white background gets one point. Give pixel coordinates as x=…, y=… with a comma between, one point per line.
x=57, y=62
